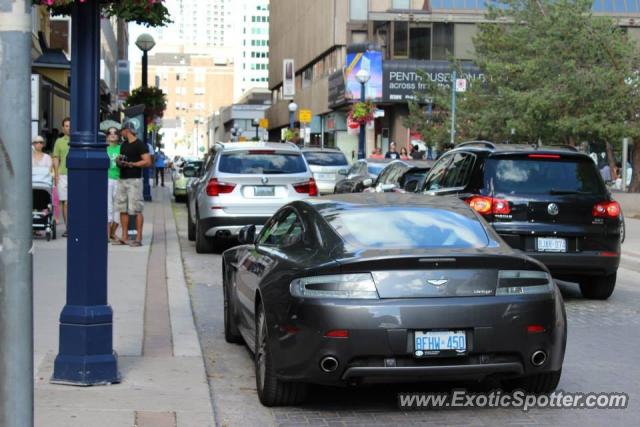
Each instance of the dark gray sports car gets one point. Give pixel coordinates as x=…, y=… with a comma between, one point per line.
x=386, y=287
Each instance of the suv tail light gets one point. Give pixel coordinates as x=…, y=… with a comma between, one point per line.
x=308, y=187
x=606, y=210
x=489, y=205
x=215, y=187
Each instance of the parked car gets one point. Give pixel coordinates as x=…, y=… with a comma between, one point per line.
x=433, y=294
x=549, y=202
x=245, y=183
x=400, y=176
x=188, y=171
x=328, y=165
x=358, y=172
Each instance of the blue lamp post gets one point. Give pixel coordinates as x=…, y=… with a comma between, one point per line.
x=86, y=355
x=293, y=107
x=145, y=43
x=363, y=77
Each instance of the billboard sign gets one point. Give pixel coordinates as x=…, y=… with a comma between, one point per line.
x=288, y=79
x=370, y=60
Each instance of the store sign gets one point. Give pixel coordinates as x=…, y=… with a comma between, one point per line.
x=403, y=83
x=289, y=79
x=337, y=89
x=305, y=116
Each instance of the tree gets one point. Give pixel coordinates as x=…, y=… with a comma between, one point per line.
x=555, y=73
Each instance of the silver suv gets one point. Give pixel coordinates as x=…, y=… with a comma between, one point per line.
x=245, y=183
x=328, y=165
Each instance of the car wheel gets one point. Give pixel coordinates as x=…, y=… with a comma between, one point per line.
x=204, y=244
x=623, y=230
x=539, y=383
x=231, y=333
x=272, y=391
x=191, y=227
x=598, y=287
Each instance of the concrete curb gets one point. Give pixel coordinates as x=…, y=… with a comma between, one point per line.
x=185, y=337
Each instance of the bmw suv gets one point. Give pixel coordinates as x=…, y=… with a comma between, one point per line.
x=549, y=202
x=244, y=184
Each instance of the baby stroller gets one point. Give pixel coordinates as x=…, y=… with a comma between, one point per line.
x=42, y=214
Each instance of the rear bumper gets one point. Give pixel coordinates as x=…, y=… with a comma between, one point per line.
x=578, y=264
x=230, y=226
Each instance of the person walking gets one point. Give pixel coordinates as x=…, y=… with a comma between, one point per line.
x=113, y=151
x=392, y=153
x=160, y=161
x=60, y=177
x=134, y=157
x=41, y=162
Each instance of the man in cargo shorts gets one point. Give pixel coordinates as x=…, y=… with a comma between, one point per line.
x=134, y=157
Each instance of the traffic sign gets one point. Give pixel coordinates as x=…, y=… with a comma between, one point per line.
x=461, y=85
x=305, y=116
x=264, y=123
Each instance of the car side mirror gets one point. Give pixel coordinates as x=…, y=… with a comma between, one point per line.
x=367, y=183
x=247, y=235
x=189, y=172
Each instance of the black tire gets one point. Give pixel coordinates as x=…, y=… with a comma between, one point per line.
x=539, y=383
x=48, y=234
x=272, y=391
x=204, y=244
x=231, y=332
x=191, y=227
x=598, y=287
x=623, y=228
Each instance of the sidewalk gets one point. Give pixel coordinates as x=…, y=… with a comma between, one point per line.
x=163, y=376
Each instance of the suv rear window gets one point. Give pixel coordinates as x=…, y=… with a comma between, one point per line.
x=408, y=228
x=317, y=158
x=543, y=176
x=247, y=163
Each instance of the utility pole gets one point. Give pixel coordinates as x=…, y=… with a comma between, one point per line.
x=16, y=279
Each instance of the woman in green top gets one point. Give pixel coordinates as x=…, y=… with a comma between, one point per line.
x=113, y=151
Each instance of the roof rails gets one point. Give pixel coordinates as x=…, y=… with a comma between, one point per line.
x=487, y=144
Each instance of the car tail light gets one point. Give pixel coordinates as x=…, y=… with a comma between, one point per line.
x=215, y=187
x=308, y=187
x=606, y=210
x=544, y=156
x=519, y=282
x=535, y=329
x=489, y=205
x=346, y=286
x=262, y=151
x=337, y=333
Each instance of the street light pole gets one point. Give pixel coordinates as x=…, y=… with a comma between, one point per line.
x=256, y=125
x=363, y=77
x=145, y=43
x=86, y=355
x=293, y=107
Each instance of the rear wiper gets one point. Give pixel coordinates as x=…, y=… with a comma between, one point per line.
x=560, y=191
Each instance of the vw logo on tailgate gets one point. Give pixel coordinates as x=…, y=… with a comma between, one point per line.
x=553, y=209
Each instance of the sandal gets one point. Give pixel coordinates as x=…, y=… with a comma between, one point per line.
x=135, y=244
x=119, y=242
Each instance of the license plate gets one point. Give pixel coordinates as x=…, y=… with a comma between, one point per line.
x=550, y=244
x=264, y=191
x=433, y=342
x=325, y=176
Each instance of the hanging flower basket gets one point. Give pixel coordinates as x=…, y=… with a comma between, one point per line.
x=154, y=100
x=362, y=112
x=151, y=13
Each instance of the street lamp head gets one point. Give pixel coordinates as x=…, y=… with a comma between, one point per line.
x=145, y=42
x=363, y=75
x=293, y=107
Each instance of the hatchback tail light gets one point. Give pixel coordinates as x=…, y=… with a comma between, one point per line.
x=489, y=205
x=215, y=187
x=606, y=210
x=308, y=187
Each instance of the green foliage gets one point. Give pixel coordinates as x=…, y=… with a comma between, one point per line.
x=150, y=13
x=154, y=100
x=362, y=112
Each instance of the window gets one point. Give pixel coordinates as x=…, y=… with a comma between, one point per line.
x=246, y=162
x=402, y=4
x=436, y=175
x=400, y=39
x=358, y=10
x=285, y=231
x=420, y=43
x=459, y=171
x=327, y=158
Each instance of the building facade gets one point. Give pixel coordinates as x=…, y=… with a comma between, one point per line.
x=202, y=24
x=324, y=39
x=195, y=86
x=252, y=53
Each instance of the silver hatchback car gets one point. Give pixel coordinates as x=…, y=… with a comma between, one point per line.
x=245, y=183
x=329, y=165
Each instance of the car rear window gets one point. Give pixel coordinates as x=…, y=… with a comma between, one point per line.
x=317, y=158
x=247, y=163
x=408, y=228
x=375, y=168
x=543, y=176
